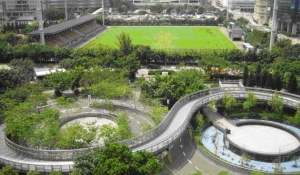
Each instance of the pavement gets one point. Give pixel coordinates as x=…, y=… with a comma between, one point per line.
x=186, y=158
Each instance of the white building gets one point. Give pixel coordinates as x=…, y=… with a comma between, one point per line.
x=242, y=5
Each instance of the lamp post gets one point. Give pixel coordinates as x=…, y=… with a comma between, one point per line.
x=103, y=12
x=227, y=14
x=66, y=10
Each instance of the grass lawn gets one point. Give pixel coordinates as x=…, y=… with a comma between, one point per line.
x=167, y=37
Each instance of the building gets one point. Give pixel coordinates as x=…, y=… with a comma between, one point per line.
x=235, y=32
x=288, y=16
x=261, y=11
x=242, y=5
x=14, y=9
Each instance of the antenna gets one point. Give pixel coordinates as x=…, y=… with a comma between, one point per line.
x=39, y=17
x=274, y=25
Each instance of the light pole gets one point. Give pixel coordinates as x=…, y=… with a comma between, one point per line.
x=103, y=12
x=227, y=14
x=66, y=10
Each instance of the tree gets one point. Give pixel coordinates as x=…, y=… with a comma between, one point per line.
x=295, y=159
x=223, y=173
x=292, y=84
x=124, y=43
x=33, y=172
x=246, y=76
x=23, y=69
x=258, y=75
x=263, y=78
x=256, y=173
x=196, y=173
x=53, y=13
x=55, y=173
x=250, y=102
x=60, y=81
x=276, y=103
x=116, y=159
x=245, y=159
x=277, y=85
x=229, y=101
x=8, y=170
x=269, y=81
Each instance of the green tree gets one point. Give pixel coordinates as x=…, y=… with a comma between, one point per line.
x=269, y=81
x=124, y=43
x=245, y=159
x=246, y=76
x=263, y=78
x=33, y=172
x=223, y=173
x=277, y=85
x=23, y=68
x=276, y=103
x=196, y=173
x=292, y=84
x=229, y=101
x=256, y=173
x=55, y=173
x=31, y=27
x=250, y=102
x=8, y=170
x=53, y=13
x=258, y=75
x=60, y=81
x=115, y=159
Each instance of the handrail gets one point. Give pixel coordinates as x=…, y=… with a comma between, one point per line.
x=137, y=142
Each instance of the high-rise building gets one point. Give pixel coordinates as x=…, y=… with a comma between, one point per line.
x=288, y=16
x=242, y=5
x=261, y=11
x=18, y=8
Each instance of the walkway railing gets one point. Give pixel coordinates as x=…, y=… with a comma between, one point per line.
x=144, y=141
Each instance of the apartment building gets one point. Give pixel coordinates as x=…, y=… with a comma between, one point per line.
x=16, y=8
x=242, y=5
x=261, y=11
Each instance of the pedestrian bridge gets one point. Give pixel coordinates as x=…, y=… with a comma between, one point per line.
x=156, y=140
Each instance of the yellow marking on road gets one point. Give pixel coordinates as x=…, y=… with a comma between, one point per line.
x=167, y=165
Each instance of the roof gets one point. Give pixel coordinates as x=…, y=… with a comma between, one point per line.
x=42, y=73
x=25, y=18
x=248, y=45
x=65, y=25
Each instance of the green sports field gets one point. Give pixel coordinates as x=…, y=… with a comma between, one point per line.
x=167, y=37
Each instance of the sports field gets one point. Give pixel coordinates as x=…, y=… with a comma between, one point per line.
x=167, y=37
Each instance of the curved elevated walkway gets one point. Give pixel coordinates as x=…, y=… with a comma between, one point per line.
x=156, y=140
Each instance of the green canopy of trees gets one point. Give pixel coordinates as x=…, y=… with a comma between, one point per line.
x=174, y=86
x=115, y=159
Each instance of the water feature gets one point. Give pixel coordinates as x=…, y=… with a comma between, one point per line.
x=212, y=139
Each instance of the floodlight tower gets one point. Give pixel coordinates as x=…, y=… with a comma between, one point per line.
x=39, y=17
x=227, y=14
x=66, y=10
x=274, y=25
x=103, y=12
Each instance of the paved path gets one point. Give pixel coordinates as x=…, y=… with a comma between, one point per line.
x=167, y=135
